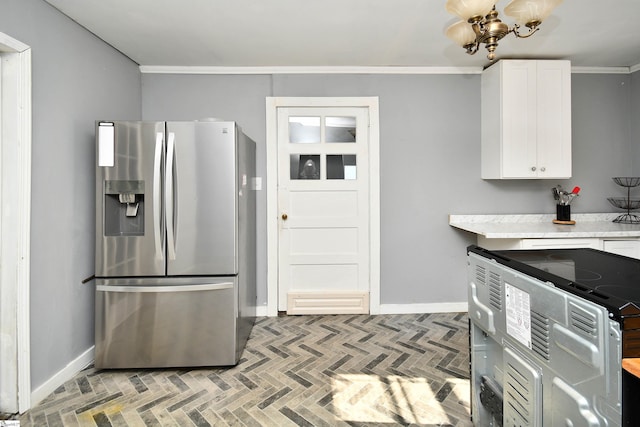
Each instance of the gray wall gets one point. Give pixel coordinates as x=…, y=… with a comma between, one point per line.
x=76, y=79
x=635, y=124
x=429, y=150
x=602, y=142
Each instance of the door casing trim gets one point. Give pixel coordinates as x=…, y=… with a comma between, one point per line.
x=272, y=105
x=15, y=211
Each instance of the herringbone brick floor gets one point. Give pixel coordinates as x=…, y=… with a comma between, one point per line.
x=341, y=370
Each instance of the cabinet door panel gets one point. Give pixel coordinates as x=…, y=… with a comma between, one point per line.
x=554, y=119
x=593, y=243
x=519, y=149
x=630, y=248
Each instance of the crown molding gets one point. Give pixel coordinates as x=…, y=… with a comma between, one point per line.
x=168, y=69
x=600, y=70
x=171, y=69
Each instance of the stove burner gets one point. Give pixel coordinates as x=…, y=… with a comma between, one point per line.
x=631, y=294
x=563, y=267
x=579, y=274
x=587, y=275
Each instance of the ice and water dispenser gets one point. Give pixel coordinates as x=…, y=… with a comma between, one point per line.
x=124, y=208
x=123, y=201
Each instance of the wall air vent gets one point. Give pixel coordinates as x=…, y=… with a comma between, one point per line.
x=495, y=291
x=540, y=334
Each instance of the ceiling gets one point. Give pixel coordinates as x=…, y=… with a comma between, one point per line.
x=344, y=33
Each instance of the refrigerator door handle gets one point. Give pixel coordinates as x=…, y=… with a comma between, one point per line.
x=157, y=226
x=168, y=197
x=176, y=288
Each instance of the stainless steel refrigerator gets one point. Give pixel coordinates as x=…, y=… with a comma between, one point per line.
x=175, y=243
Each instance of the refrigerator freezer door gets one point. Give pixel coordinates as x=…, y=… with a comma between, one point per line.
x=130, y=231
x=141, y=323
x=201, y=210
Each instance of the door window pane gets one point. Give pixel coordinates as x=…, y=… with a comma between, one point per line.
x=305, y=166
x=341, y=166
x=340, y=129
x=304, y=130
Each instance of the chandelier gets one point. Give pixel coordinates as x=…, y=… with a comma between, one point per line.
x=480, y=23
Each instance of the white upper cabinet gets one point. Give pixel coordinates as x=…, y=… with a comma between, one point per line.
x=526, y=120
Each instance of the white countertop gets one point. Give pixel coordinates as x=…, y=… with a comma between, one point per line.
x=539, y=226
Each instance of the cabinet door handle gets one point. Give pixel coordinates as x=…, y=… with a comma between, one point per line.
x=284, y=216
x=533, y=168
x=543, y=169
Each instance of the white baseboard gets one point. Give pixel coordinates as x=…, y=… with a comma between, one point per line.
x=443, y=307
x=68, y=372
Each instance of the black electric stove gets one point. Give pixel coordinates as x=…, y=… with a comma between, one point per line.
x=548, y=330
x=607, y=279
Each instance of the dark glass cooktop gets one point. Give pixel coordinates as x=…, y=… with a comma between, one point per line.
x=607, y=279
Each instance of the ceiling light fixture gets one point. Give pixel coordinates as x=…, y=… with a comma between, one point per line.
x=480, y=23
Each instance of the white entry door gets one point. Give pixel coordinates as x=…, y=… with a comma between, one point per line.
x=323, y=205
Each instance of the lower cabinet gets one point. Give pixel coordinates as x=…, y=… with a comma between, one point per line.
x=593, y=243
x=629, y=247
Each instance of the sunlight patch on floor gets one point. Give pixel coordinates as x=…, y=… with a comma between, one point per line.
x=390, y=399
